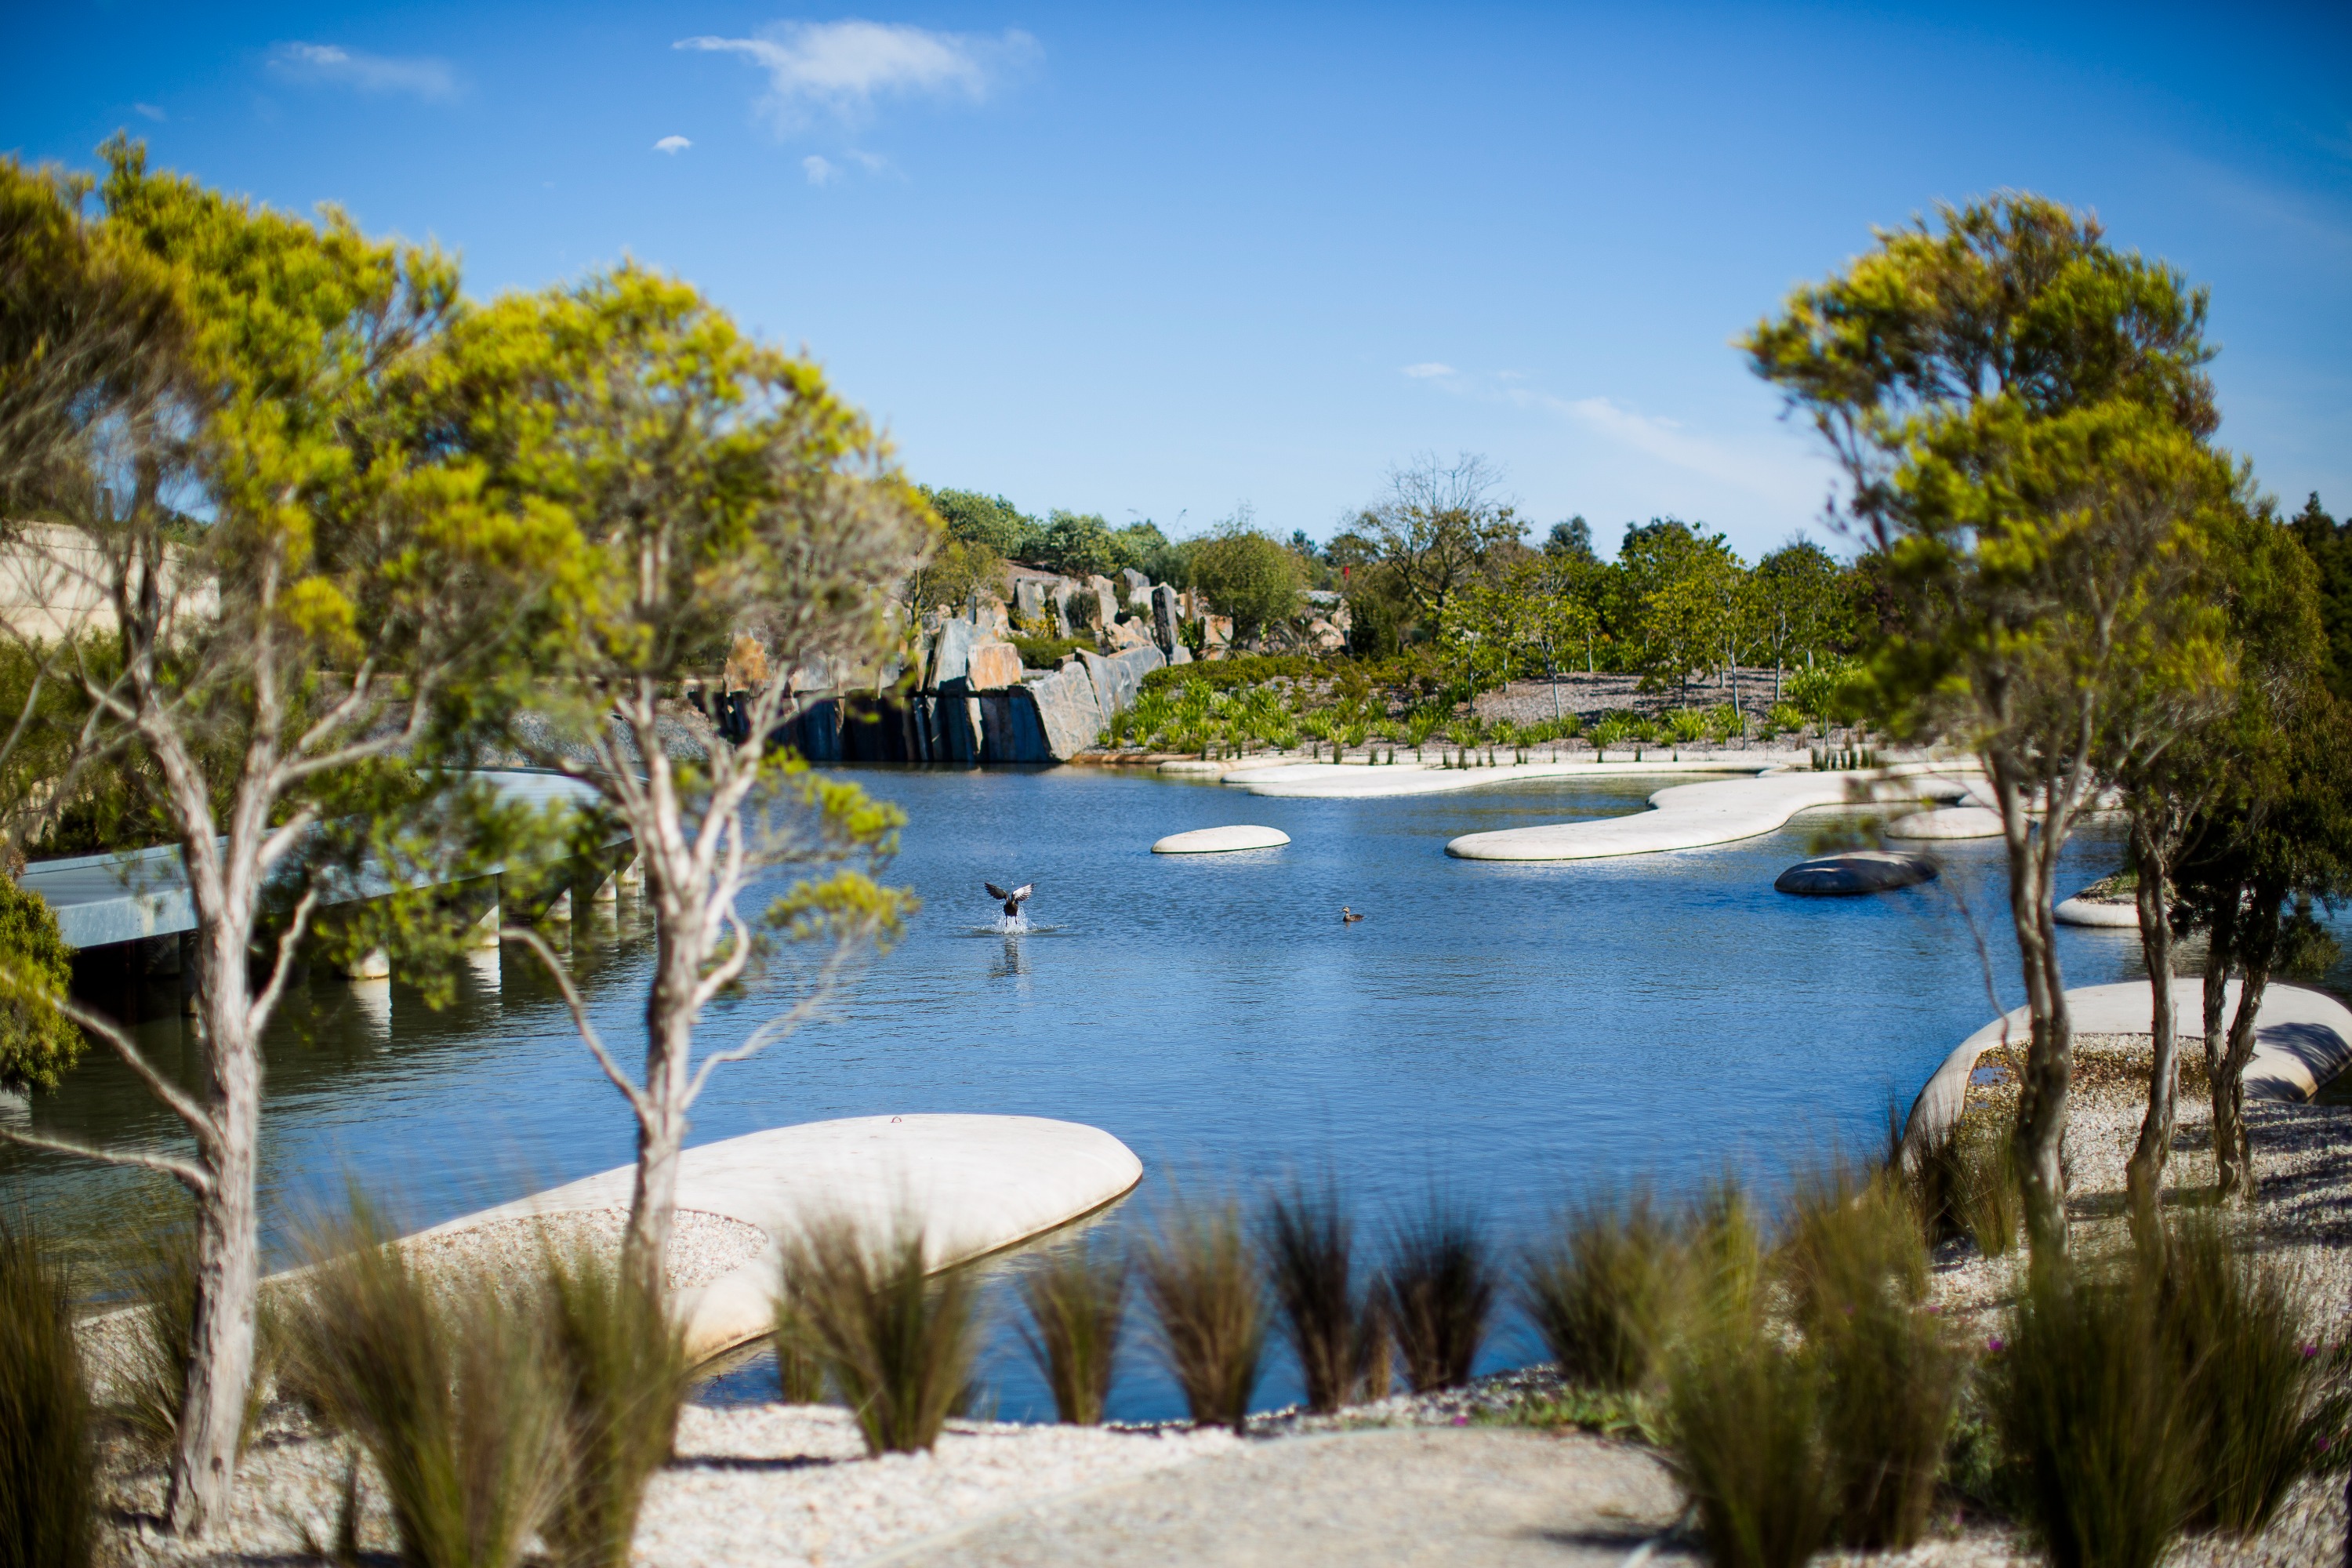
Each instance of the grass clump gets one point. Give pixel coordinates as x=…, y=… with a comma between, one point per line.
x=1963, y=1183
x=1077, y=1298
x=2095, y=1419
x=897, y=1345
x=1854, y=1266
x=623, y=1372
x=47, y=1426
x=2249, y=1370
x=449, y=1389
x=1598, y=1290
x=1199, y=1274
x=1439, y=1289
x=1336, y=1328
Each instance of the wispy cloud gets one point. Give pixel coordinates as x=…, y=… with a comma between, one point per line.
x=819, y=171
x=673, y=146
x=321, y=63
x=841, y=68
x=153, y=112
x=1428, y=370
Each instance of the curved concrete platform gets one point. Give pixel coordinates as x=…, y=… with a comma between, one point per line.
x=1690, y=816
x=1221, y=840
x=1356, y=781
x=1946, y=822
x=2302, y=1040
x=2081, y=911
x=1857, y=871
x=976, y=1185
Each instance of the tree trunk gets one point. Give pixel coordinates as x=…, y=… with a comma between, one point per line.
x=2233, y=1155
x=2145, y=1174
x=2042, y=1095
x=662, y=1127
x=220, y=1361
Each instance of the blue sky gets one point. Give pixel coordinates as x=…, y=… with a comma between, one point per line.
x=1162, y=263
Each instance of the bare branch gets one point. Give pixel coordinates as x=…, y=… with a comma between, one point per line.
x=524, y=936
x=257, y=1013
x=191, y=1176
x=198, y=1120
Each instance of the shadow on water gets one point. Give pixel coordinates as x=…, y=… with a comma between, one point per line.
x=1503, y=1030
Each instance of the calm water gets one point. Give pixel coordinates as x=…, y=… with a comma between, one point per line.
x=1502, y=1032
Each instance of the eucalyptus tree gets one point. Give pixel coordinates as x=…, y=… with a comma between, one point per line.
x=1799, y=603
x=711, y=488
x=257, y=575
x=1436, y=526
x=2015, y=404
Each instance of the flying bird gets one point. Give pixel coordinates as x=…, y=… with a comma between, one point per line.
x=1347, y=917
x=1013, y=899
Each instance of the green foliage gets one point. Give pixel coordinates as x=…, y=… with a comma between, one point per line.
x=1439, y=1289
x=1199, y=1274
x=1077, y=1298
x=1078, y=545
x=958, y=569
x=992, y=522
x=1248, y=575
x=446, y=1384
x=897, y=1345
x=800, y=1372
x=38, y=1044
x=48, y=1456
x=622, y=1362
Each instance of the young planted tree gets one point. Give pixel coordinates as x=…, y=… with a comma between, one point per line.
x=2014, y=404
x=1800, y=603
x=263, y=577
x=711, y=488
x=1436, y=526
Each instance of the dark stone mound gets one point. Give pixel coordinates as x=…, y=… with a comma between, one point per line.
x=1859, y=871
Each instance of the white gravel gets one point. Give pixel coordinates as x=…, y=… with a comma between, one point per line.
x=702, y=1246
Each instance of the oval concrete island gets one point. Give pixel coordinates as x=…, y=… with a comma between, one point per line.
x=1860, y=871
x=1946, y=822
x=974, y=1184
x=1218, y=840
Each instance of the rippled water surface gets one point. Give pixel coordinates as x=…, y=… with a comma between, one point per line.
x=1502, y=1032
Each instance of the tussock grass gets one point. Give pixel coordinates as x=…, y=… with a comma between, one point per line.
x=1964, y=1183
x=2240, y=1328
x=897, y=1345
x=449, y=1389
x=1335, y=1326
x=800, y=1374
x=1199, y=1273
x=47, y=1426
x=1854, y=1265
x=1441, y=1288
x=2096, y=1418
x=623, y=1372
x=1598, y=1288
x=1077, y=1298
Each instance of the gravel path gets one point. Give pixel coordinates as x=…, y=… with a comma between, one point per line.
x=702, y=1246
x=1479, y=1498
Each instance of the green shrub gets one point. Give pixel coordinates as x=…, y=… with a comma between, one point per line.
x=1785, y=716
x=1440, y=1291
x=897, y=1345
x=2094, y=1417
x=1724, y=721
x=47, y=1449
x=1686, y=725
x=622, y=1366
x=1200, y=1277
x=1334, y=1325
x=1047, y=653
x=1077, y=1298
x=38, y=1045
x=1599, y=1289
x=449, y=1388
x=800, y=1374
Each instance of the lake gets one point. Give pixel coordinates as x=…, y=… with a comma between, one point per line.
x=1502, y=1033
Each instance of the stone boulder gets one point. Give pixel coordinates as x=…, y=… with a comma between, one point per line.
x=1857, y=871
x=1067, y=710
x=1029, y=598
x=994, y=666
x=1106, y=600
x=1138, y=586
x=1324, y=637
x=1128, y=634
x=1119, y=677
x=1167, y=614
x=951, y=654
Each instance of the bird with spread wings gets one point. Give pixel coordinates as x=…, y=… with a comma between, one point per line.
x=1013, y=899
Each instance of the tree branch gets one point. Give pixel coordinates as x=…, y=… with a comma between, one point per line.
x=198, y=1120
x=190, y=1176
x=257, y=1012
x=524, y=936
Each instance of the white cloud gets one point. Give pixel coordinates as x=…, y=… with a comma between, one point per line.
x=1428, y=369
x=841, y=68
x=673, y=146
x=426, y=78
x=150, y=110
x=821, y=171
